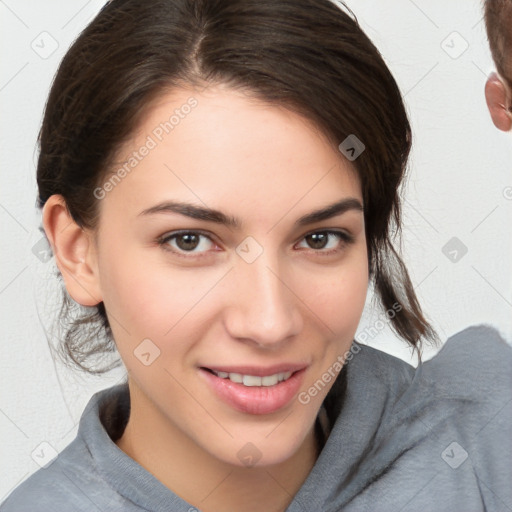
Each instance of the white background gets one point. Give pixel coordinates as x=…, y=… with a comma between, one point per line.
x=459, y=179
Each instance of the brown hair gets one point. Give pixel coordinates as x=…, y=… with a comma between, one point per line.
x=306, y=55
x=498, y=22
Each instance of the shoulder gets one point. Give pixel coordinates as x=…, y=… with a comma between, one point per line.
x=474, y=364
x=482, y=339
x=470, y=383
x=380, y=367
x=368, y=375
x=55, y=487
x=75, y=480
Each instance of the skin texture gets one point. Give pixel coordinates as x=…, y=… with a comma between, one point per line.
x=498, y=96
x=268, y=167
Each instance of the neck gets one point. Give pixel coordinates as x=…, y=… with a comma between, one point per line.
x=204, y=481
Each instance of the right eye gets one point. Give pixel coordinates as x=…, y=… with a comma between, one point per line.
x=186, y=242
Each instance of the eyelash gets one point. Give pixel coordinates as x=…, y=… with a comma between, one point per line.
x=344, y=238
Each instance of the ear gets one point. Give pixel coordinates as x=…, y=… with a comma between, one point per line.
x=497, y=102
x=74, y=250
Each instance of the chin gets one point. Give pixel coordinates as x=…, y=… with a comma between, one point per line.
x=253, y=451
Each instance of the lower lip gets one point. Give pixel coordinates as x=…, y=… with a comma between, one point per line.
x=255, y=399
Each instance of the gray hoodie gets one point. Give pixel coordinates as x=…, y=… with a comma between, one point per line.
x=435, y=438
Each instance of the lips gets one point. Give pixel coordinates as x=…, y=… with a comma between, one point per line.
x=255, y=397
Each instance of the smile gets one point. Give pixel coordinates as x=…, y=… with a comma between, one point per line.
x=254, y=380
x=254, y=390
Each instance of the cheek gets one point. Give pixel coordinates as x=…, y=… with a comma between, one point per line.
x=338, y=303
x=339, y=297
x=149, y=299
x=142, y=305
x=353, y=291
x=137, y=292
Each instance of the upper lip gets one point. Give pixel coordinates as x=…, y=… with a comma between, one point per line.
x=258, y=371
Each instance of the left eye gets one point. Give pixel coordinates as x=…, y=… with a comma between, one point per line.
x=319, y=240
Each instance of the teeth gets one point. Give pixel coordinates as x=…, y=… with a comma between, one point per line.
x=250, y=380
x=253, y=380
x=235, y=377
x=270, y=380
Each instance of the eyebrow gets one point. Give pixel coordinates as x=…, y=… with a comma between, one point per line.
x=212, y=215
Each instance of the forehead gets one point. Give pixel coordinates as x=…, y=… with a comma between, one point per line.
x=219, y=146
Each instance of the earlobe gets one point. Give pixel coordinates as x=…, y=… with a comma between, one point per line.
x=496, y=98
x=74, y=252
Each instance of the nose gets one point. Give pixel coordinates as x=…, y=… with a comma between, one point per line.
x=263, y=308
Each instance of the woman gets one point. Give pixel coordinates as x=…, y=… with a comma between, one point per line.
x=219, y=185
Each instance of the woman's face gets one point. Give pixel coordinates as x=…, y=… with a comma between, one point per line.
x=250, y=291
